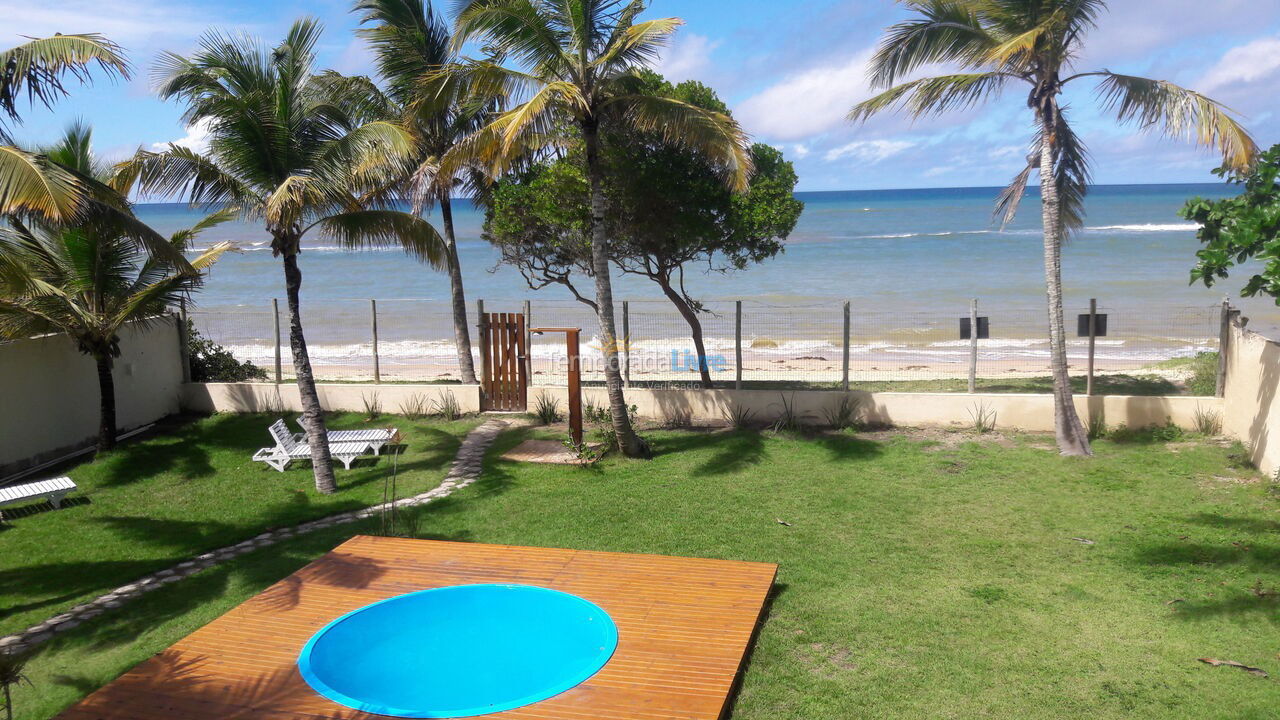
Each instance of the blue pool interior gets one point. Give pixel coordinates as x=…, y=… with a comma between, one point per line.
x=459, y=651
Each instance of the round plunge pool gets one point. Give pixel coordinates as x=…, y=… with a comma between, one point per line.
x=459, y=651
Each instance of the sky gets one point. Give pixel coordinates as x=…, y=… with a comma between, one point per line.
x=789, y=70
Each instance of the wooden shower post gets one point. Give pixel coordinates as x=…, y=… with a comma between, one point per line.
x=571, y=340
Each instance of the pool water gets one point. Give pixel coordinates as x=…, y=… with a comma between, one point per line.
x=459, y=651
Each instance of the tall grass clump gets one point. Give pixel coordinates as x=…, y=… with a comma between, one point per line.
x=1207, y=421
x=416, y=406
x=846, y=413
x=372, y=406
x=447, y=406
x=789, y=418
x=739, y=417
x=983, y=418
x=547, y=409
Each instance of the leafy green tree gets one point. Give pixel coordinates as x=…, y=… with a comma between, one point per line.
x=577, y=62
x=38, y=69
x=411, y=42
x=668, y=210
x=1034, y=43
x=284, y=149
x=88, y=277
x=1243, y=228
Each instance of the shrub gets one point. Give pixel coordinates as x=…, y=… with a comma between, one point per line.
x=983, y=418
x=1207, y=421
x=372, y=406
x=210, y=362
x=739, y=416
x=789, y=419
x=1203, y=379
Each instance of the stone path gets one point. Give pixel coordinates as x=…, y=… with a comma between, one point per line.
x=465, y=470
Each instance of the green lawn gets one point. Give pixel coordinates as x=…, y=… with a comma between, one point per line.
x=923, y=574
x=188, y=488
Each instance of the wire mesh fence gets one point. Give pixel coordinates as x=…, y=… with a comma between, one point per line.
x=749, y=343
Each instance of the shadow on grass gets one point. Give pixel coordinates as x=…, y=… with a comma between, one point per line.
x=731, y=450
x=1262, y=600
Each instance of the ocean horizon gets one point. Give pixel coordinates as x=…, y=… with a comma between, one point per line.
x=907, y=261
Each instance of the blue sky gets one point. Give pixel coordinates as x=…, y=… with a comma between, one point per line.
x=789, y=69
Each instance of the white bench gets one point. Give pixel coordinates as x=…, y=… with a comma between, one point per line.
x=288, y=450
x=376, y=437
x=51, y=491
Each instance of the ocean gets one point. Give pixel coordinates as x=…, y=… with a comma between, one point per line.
x=907, y=261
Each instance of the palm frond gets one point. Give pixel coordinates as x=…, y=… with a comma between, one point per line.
x=637, y=45
x=1010, y=198
x=364, y=229
x=30, y=183
x=948, y=31
x=516, y=29
x=38, y=67
x=935, y=95
x=716, y=136
x=1178, y=113
x=181, y=171
x=183, y=238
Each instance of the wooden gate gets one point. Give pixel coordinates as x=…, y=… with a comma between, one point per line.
x=504, y=362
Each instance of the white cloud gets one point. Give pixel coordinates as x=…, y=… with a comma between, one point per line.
x=936, y=171
x=800, y=150
x=197, y=138
x=124, y=21
x=1244, y=64
x=868, y=151
x=1007, y=151
x=688, y=58
x=809, y=102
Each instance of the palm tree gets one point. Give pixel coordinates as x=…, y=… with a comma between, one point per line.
x=411, y=42
x=285, y=151
x=38, y=68
x=579, y=59
x=88, y=277
x=1036, y=42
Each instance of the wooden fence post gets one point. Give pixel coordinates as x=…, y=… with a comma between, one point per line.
x=373, y=318
x=973, y=345
x=737, y=344
x=275, y=311
x=1093, y=336
x=844, y=376
x=484, y=354
x=625, y=346
x=184, y=337
x=575, y=386
x=1224, y=347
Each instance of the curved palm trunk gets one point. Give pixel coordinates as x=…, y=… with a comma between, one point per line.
x=631, y=444
x=312, y=414
x=106, y=404
x=461, y=333
x=1071, y=435
x=695, y=329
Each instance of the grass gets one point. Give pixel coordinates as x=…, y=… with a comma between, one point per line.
x=923, y=574
x=1202, y=372
x=192, y=488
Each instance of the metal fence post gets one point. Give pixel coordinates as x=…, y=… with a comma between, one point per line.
x=373, y=319
x=184, y=338
x=626, y=343
x=844, y=381
x=1093, y=335
x=737, y=344
x=1224, y=347
x=973, y=345
x=275, y=312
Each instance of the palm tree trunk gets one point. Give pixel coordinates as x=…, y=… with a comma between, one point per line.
x=106, y=403
x=1071, y=435
x=631, y=444
x=312, y=414
x=461, y=334
x=695, y=329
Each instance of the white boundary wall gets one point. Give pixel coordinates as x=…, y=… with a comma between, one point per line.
x=1033, y=413
x=269, y=397
x=1252, y=408
x=49, y=392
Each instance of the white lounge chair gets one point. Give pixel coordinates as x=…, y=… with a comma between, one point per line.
x=376, y=437
x=51, y=491
x=288, y=450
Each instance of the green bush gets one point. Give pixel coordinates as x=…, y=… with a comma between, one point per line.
x=210, y=362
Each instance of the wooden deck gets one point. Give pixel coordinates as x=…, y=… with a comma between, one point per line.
x=684, y=628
